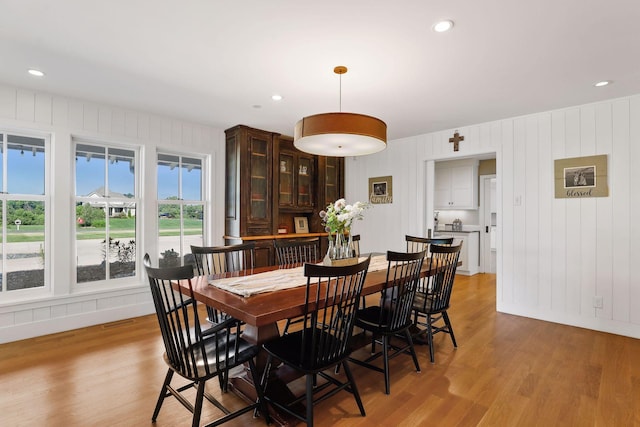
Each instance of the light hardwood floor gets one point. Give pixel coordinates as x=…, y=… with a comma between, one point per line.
x=507, y=371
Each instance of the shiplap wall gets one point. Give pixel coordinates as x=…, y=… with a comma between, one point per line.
x=64, y=118
x=554, y=255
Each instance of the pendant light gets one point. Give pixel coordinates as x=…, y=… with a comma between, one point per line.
x=340, y=134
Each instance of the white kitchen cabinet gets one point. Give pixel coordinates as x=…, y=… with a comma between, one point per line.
x=456, y=185
x=470, y=252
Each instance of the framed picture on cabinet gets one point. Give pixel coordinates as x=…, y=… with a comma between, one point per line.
x=301, y=223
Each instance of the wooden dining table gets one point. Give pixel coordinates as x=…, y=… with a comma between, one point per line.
x=260, y=313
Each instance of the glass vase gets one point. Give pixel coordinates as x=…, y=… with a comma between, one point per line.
x=340, y=246
x=331, y=252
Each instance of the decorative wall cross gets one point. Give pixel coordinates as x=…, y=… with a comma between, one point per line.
x=456, y=140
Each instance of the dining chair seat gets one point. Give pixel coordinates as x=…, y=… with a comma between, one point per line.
x=288, y=348
x=370, y=319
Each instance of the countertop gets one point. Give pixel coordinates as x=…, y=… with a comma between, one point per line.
x=465, y=229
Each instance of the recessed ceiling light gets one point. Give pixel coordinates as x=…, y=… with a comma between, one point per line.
x=603, y=83
x=35, y=72
x=276, y=97
x=442, y=26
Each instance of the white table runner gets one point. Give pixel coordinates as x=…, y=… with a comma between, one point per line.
x=278, y=279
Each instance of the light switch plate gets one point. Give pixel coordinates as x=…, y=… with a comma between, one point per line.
x=598, y=302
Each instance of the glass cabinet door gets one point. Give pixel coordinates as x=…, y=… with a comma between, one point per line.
x=305, y=183
x=286, y=180
x=332, y=180
x=259, y=174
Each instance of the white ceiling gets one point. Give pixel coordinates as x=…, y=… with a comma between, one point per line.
x=215, y=61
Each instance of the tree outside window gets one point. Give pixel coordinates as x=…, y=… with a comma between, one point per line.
x=180, y=207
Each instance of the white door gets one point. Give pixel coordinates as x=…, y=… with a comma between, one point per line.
x=488, y=224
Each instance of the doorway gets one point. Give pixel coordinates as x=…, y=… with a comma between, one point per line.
x=484, y=218
x=488, y=223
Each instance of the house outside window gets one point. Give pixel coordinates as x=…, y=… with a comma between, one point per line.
x=181, y=208
x=24, y=213
x=106, y=195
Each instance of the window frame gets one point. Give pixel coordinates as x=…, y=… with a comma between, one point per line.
x=109, y=283
x=35, y=292
x=204, y=200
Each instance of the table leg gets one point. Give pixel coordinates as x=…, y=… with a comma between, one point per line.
x=243, y=385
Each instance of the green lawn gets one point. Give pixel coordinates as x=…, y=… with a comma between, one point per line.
x=120, y=228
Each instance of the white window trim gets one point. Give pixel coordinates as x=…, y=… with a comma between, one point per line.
x=204, y=192
x=46, y=290
x=108, y=283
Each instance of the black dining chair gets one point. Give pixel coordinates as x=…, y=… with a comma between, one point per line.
x=222, y=259
x=294, y=253
x=190, y=353
x=433, y=298
x=217, y=260
x=355, y=245
x=331, y=300
x=417, y=244
x=392, y=316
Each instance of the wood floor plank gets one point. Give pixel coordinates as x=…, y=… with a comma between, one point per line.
x=508, y=370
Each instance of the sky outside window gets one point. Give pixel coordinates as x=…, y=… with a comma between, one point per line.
x=25, y=165
x=170, y=169
x=90, y=170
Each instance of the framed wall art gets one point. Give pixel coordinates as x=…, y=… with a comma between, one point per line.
x=381, y=190
x=580, y=177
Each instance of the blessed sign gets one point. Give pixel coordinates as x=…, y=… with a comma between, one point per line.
x=580, y=177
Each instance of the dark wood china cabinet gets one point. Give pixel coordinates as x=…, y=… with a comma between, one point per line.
x=269, y=183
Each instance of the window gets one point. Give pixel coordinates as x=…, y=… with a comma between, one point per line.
x=23, y=212
x=180, y=207
x=106, y=203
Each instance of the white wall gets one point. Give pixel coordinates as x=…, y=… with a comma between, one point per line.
x=554, y=255
x=66, y=308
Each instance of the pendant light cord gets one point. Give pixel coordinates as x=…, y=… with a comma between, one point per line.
x=340, y=70
x=340, y=98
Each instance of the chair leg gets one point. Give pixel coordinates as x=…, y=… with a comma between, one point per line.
x=163, y=393
x=197, y=409
x=373, y=343
x=310, y=380
x=265, y=374
x=261, y=402
x=430, y=338
x=262, y=385
x=222, y=380
x=445, y=316
x=285, y=331
x=354, y=388
x=412, y=349
x=385, y=355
